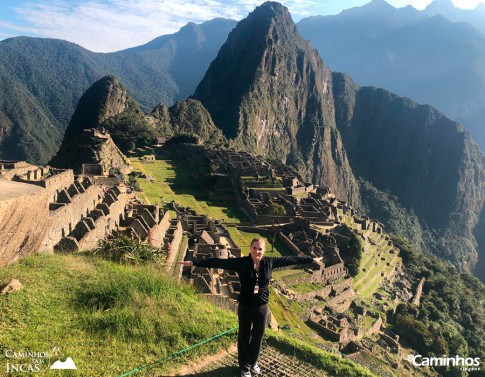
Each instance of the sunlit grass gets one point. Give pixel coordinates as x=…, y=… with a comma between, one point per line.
x=108, y=318
x=176, y=181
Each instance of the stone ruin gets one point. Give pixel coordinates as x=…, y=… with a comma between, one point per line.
x=102, y=154
x=342, y=328
x=47, y=209
x=148, y=159
x=209, y=239
x=239, y=164
x=306, y=241
x=259, y=183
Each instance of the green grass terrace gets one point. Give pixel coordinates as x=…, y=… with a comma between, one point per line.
x=176, y=181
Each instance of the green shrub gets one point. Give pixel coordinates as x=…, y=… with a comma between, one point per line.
x=125, y=250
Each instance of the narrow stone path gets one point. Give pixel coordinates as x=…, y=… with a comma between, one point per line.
x=272, y=362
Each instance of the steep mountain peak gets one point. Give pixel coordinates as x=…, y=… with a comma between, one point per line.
x=379, y=6
x=271, y=9
x=270, y=92
x=104, y=99
x=266, y=16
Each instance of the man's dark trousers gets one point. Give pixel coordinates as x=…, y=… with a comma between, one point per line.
x=252, y=323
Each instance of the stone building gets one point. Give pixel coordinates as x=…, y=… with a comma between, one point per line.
x=209, y=239
x=47, y=209
x=306, y=241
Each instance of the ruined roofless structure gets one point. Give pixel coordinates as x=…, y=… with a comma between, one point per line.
x=46, y=209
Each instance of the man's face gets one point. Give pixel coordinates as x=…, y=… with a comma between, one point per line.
x=257, y=250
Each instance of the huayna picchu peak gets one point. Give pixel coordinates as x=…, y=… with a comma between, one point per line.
x=271, y=93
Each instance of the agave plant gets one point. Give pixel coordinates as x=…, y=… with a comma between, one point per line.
x=127, y=250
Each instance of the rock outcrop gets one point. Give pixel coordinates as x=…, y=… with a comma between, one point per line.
x=105, y=105
x=427, y=162
x=188, y=117
x=12, y=286
x=24, y=219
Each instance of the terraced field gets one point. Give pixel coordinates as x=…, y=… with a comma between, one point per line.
x=168, y=180
x=377, y=263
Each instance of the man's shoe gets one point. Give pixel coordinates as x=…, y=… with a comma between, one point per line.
x=255, y=370
x=245, y=374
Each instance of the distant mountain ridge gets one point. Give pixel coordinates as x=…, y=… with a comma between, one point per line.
x=416, y=54
x=41, y=81
x=446, y=8
x=168, y=68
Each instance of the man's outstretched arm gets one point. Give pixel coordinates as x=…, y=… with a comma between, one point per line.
x=225, y=264
x=291, y=260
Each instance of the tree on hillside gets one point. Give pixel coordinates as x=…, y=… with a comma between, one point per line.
x=273, y=209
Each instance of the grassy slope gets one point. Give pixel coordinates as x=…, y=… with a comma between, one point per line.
x=243, y=240
x=174, y=180
x=111, y=319
x=108, y=318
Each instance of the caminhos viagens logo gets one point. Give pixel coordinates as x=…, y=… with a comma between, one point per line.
x=464, y=363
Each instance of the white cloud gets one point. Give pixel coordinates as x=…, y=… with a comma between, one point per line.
x=110, y=25
x=114, y=24
x=467, y=4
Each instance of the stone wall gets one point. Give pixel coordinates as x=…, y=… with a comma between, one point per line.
x=112, y=157
x=8, y=169
x=65, y=218
x=59, y=180
x=333, y=272
x=159, y=231
x=289, y=244
x=375, y=328
x=93, y=169
x=419, y=292
x=56, y=179
x=24, y=219
x=172, y=240
x=105, y=224
x=106, y=181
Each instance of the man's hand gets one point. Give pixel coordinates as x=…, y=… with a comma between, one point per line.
x=318, y=260
x=186, y=263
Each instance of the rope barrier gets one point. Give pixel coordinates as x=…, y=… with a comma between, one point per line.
x=178, y=353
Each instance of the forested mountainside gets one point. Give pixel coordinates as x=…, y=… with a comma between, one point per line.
x=41, y=81
x=420, y=172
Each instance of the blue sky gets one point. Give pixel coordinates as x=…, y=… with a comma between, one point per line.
x=111, y=25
